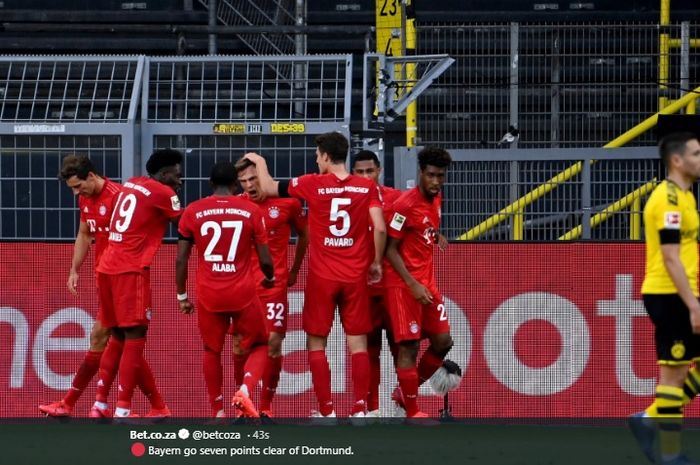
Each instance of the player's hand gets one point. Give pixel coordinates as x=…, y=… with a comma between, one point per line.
x=375, y=273
x=268, y=283
x=72, y=283
x=421, y=293
x=186, y=307
x=258, y=159
x=442, y=242
x=695, y=319
x=292, y=278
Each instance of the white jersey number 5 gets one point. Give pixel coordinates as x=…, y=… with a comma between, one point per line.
x=338, y=214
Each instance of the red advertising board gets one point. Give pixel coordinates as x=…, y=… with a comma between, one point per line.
x=541, y=330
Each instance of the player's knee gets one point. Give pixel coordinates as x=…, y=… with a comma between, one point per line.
x=442, y=345
x=98, y=341
x=274, y=346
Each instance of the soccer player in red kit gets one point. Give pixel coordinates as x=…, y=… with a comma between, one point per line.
x=415, y=305
x=366, y=164
x=281, y=215
x=340, y=206
x=143, y=209
x=95, y=197
x=226, y=228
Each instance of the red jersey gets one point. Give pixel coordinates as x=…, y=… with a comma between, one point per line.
x=339, y=235
x=96, y=211
x=389, y=196
x=224, y=229
x=142, y=211
x=415, y=221
x=280, y=215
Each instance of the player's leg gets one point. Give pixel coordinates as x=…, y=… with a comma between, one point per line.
x=272, y=373
x=374, y=349
x=132, y=295
x=240, y=356
x=317, y=320
x=250, y=324
x=86, y=371
x=405, y=315
x=212, y=329
x=436, y=324
x=276, y=308
x=674, y=349
x=357, y=323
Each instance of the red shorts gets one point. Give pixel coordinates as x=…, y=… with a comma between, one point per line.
x=125, y=299
x=275, y=308
x=248, y=323
x=320, y=299
x=411, y=320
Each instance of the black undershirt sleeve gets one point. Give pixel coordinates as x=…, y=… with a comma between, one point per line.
x=670, y=236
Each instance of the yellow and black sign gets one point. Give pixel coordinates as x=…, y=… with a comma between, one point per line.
x=229, y=128
x=287, y=128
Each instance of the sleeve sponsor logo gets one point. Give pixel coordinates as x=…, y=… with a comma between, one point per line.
x=295, y=182
x=397, y=221
x=175, y=201
x=672, y=220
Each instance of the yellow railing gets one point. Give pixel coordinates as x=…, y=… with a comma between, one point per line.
x=516, y=209
x=633, y=197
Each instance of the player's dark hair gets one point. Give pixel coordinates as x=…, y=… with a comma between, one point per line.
x=223, y=174
x=674, y=143
x=242, y=164
x=335, y=145
x=366, y=155
x=76, y=165
x=434, y=156
x=163, y=158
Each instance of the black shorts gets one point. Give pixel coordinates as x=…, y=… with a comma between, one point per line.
x=675, y=342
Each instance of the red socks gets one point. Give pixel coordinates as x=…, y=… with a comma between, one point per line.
x=429, y=364
x=239, y=368
x=408, y=380
x=90, y=365
x=321, y=378
x=374, y=377
x=129, y=371
x=147, y=384
x=360, y=381
x=255, y=367
x=214, y=378
x=109, y=363
x=270, y=380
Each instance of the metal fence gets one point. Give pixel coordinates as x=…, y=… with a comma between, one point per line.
x=561, y=85
x=53, y=106
x=212, y=108
x=482, y=183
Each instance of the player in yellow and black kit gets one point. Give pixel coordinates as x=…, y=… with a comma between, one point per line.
x=670, y=293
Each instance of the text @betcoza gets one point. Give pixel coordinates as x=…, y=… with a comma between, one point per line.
x=228, y=443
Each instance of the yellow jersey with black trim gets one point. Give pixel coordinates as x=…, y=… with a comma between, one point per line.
x=670, y=217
